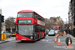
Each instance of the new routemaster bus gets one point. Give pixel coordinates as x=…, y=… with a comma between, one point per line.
x=58, y=27
x=30, y=26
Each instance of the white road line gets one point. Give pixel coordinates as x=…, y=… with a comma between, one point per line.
x=65, y=47
x=51, y=39
x=54, y=42
x=70, y=48
x=60, y=46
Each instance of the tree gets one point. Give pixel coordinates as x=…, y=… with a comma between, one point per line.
x=48, y=23
x=9, y=22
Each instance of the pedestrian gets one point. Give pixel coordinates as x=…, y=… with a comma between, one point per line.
x=74, y=31
x=62, y=31
x=66, y=31
x=46, y=31
x=69, y=30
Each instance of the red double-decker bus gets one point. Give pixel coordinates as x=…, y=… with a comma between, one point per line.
x=30, y=26
x=58, y=27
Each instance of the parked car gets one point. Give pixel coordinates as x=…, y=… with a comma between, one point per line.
x=51, y=32
x=46, y=31
x=7, y=33
x=13, y=34
x=57, y=31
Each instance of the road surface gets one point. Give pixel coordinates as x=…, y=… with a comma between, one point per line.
x=43, y=44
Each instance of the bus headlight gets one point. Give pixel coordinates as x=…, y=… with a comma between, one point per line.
x=31, y=37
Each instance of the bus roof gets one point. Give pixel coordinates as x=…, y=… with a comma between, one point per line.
x=22, y=11
x=25, y=11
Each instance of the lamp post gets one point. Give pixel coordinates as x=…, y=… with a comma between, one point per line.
x=66, y=22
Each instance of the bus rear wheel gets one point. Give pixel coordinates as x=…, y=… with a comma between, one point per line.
x=44, y=35
x=38, y=37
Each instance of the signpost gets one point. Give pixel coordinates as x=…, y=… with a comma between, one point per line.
x=70, y=24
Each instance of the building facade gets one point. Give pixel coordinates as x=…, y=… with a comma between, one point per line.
x=71, y=13
x=57, y=21
x=3, y=27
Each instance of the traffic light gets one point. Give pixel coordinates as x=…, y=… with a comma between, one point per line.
x=74, y=20
x=1, y=18
x=74, y=23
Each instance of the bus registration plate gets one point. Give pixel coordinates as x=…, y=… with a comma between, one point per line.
x=23, y=39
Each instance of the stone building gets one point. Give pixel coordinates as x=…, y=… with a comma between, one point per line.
x=71, y=13
x=57, y=21
x=3, y=27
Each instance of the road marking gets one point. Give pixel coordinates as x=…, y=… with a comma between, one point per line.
x=60, y=46
x=65, y=47
x=46, y=40
x=17, y=49
x=70, y=48
x=54, y=43
x=50, y=41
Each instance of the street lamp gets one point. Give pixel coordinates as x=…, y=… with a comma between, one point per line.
x=66, y=20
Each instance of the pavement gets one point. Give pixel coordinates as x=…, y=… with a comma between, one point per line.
x=3, y=41
x=73, y=38
x=7, y=40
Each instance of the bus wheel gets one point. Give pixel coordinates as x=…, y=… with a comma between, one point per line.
x=38, y=37
x=22, y=41
x=44, y=35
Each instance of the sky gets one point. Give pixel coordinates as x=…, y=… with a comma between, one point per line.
x=46, y=8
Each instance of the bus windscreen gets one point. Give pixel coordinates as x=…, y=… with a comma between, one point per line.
x=25, y=29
